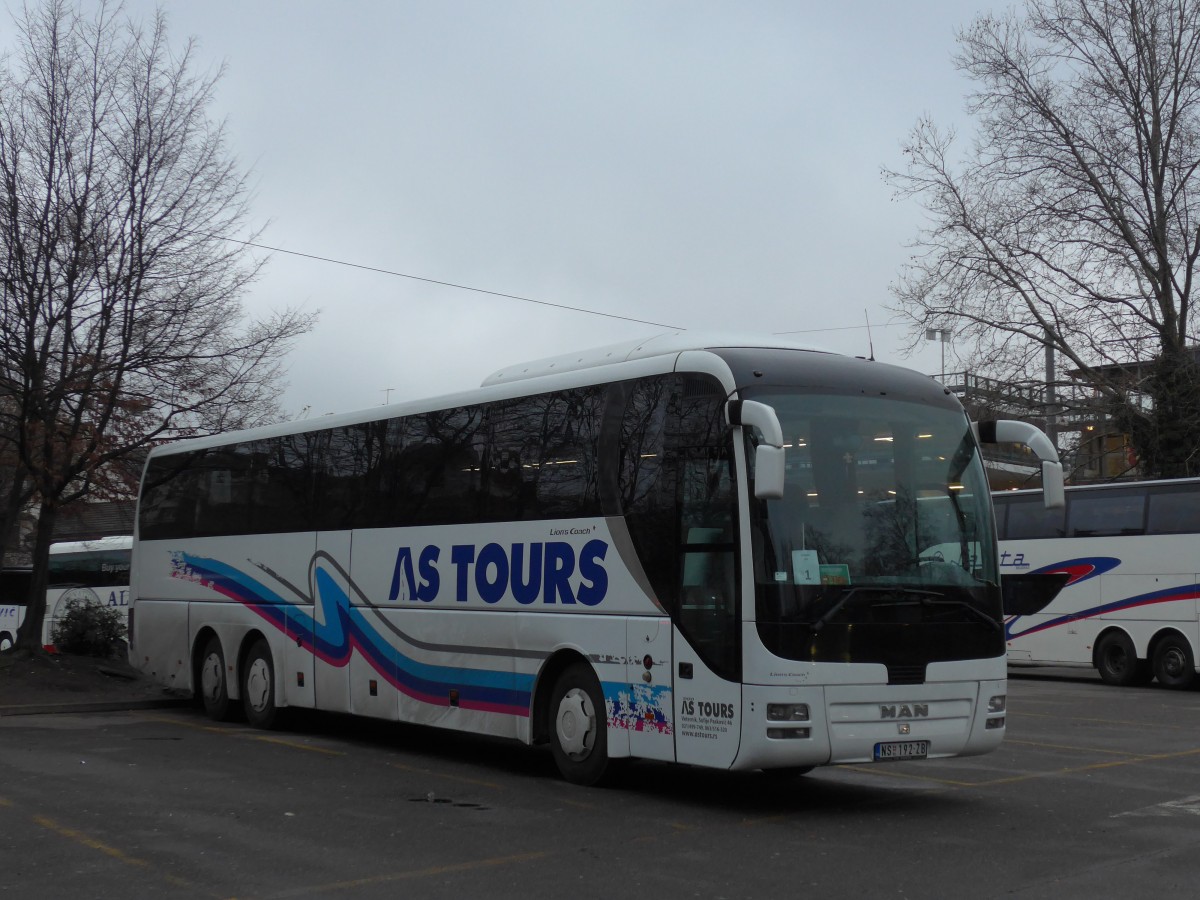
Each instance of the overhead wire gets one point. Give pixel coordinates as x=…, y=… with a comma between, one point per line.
x=490, y=293
x=451, y=284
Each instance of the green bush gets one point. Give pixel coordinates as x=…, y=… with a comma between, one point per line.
x=88, y=629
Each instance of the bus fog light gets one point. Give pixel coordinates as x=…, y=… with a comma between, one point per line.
x=786, y=734
x=997, y=703
x=787, y=712
x=995, y=722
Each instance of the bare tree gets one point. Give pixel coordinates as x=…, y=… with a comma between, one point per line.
x=121, y=322
x=1073, y=221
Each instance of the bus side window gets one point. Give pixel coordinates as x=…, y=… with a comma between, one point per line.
x=1174, y=511
x=1000, y=508
x=1107, y=513
x=646, y=484
x=1029, y=518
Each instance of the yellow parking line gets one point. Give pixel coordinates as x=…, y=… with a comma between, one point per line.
x=184, y=723
x=1099, y=750
x=295, y=745
x=1092, y=720
x=80, y=838
x=243, y=733
x=430, y=872
x=91, y=843
x=908, y=776
x=1131, y=759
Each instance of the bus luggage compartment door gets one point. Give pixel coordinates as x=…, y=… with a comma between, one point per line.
x=644, y=705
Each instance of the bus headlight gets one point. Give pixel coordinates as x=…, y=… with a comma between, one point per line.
x=787, y=712
x=995, y=710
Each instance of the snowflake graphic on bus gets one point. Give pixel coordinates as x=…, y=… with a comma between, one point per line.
x=338, y=628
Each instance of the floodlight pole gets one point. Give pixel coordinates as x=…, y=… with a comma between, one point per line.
x=942, y=335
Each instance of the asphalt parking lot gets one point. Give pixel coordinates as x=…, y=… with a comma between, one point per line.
x=1095, y=793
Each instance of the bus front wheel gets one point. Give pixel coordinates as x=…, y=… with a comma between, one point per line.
x=258, y=686
x=214, y=688
x=1174, y=666
x=579, y=726
x=1117, y=661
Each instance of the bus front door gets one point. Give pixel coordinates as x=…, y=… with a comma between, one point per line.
x=708, y=710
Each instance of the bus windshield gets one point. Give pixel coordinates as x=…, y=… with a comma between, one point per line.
x=886, y=520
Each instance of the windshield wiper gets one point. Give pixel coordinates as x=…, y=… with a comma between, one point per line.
x=971, y=608
x=923, y=598
x=908, y=596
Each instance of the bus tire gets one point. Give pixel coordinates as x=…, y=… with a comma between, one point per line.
x=258, y=686
x=6, y=641
x=579, y=726
x=1174, y=666
x=1117, y=661
x=213, y=683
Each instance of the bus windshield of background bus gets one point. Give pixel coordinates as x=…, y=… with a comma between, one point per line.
x=885, y=517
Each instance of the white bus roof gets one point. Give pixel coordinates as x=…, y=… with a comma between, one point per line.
x=669, y=343
x=96, y=545
x=501, y=384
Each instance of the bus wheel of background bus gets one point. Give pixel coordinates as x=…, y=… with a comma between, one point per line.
x=1174, y=666
x=258, y=686
x=579, y=736
x=6, y=641
x=214, y=689
x=1117, y=661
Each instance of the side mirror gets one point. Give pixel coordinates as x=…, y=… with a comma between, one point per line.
x=769, y=462
x=769, y=472
x=1053, y=493
x=1009, y=431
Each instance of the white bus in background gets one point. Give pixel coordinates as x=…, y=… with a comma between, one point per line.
x=722, y=553
x=94, y=571
x=1130, y=554
x=14, y=594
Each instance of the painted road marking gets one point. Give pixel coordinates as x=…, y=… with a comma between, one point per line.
x=1188, y=806
x=414, y=874
x=108, y=850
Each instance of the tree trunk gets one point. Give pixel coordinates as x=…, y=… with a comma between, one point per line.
x=29, y=635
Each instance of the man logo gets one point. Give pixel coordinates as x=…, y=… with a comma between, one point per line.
x=905, y=711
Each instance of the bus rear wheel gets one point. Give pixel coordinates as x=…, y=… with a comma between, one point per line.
x=1174, y=666
x=214, y=688
x=579, y=726
x=1117, y=661
x=258, y=686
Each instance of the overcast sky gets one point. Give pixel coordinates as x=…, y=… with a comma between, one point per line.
x=708, y=166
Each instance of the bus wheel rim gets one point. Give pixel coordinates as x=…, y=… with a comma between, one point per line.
x=210, y=676
x=258, y=684
x=1173, y=662
x=575, y=724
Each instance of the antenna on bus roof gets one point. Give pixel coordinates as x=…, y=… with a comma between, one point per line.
x=870, y=340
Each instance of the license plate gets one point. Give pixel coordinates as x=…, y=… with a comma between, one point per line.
x=897, y=750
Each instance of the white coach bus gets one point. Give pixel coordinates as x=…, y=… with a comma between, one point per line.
x=728, y=554
x=94, y=571
x=1129, y=556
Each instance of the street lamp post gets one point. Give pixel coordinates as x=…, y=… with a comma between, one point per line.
x=942, y=335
